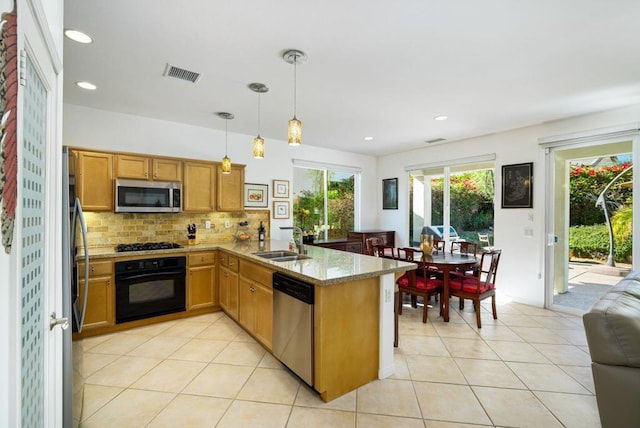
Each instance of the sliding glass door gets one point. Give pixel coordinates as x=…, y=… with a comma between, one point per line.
x=454, y=202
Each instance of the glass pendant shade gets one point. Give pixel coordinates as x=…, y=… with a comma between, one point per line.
x=226, y=165
x=295, y=132
x=258, y=147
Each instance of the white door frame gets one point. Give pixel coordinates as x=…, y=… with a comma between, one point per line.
x=605, y=136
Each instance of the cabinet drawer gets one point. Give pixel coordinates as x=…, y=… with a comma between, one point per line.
x=256, y=273
x=104, y=268
x=233, y=263
x=202, y=259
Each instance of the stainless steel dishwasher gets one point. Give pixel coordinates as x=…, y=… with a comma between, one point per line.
x=293, y=325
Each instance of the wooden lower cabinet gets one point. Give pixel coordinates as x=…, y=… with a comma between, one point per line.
x=100, y=295
x=201, y=280
x=256, y=302
x=228, y=283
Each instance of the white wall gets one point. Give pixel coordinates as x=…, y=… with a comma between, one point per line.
x=106, y=130
x=521, y=272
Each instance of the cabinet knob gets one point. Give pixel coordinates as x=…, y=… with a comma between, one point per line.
x=252, y=289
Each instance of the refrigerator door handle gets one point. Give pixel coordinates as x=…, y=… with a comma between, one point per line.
x=78, y=215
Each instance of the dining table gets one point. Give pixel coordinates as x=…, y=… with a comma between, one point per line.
x=445, y=262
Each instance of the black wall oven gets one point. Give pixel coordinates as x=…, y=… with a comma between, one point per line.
x=149, y=287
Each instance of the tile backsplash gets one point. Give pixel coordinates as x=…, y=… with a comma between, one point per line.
x=107, y=229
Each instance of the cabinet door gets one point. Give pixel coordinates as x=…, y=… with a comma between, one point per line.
x=246, y=311
x=263, y=298
x=94, y=180
x=230, y=189
x=233, y=295
x=100, y=310
x=198, y=187
x=128, y=166
x=201, y=287
x=229, y=292
x=167, y=169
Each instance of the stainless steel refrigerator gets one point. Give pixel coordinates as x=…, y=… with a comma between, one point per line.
x=73, y=220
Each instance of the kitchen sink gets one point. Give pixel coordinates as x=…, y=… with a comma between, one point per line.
x=282, y=256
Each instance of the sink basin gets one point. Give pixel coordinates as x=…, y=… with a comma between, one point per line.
x=281, y=256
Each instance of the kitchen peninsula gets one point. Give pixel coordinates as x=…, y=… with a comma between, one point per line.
x=352, y=313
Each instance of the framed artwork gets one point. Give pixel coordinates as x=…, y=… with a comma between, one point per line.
x=280, y=188
x=256, y=195
x=280, y=209
x=390, y=194
x=517, y=185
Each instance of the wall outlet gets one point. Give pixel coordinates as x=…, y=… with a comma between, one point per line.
x=227, y=224
x=207, y=224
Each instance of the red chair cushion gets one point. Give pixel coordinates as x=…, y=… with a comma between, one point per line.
x=469, y=285
x=429, y=284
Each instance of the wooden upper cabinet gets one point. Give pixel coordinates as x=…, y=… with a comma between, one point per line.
x=128, y=166
x=198, y=186
x=94, y=180
x=230, y=189
x=166, y=169
x=146, y=168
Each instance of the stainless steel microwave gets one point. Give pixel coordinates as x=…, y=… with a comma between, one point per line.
x=140, y=196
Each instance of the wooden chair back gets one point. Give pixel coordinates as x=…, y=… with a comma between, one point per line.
x=384, y=251
x=464, y=247
x=488, y=269
x=438, y=245
x=407, y=254
x=369, y=243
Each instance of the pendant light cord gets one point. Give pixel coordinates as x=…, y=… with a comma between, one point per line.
x=226, y=131
x=258, y=114
x=295, y=83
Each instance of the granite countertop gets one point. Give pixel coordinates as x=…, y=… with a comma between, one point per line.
x=324, y=267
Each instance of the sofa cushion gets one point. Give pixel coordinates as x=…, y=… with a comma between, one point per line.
x=612, y=325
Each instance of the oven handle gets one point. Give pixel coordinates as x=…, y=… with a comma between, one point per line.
x=147, y=275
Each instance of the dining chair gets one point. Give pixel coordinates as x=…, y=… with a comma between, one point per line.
x=484, y=238
x=384, y=251
x=422, y=284
x=480, y=286
x=369, y=244
x=438, y=245
x=464, y=247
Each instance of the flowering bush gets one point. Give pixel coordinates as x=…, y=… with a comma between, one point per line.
x=586, y=183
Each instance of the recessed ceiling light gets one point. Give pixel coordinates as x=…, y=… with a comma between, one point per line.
x=87, y=85
x=368, y=138
x=441, y=117
x=78, y=36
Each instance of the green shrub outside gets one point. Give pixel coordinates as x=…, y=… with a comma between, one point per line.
x=592, y=242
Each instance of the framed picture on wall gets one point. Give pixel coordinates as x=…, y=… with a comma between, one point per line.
x=256, y=195
x=390, y=194
x=517, y=185
x=280, y=188
x=280, y=209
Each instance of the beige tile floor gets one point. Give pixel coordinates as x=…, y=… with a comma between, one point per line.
x=529, y=368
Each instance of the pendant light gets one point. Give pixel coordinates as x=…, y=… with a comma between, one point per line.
x=258, y=142
x=226, y=162
x=295, y=126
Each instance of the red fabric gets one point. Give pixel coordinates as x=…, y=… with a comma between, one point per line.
x=469, y=285
x=429, y=284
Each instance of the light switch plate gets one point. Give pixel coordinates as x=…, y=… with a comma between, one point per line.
x=207, y=224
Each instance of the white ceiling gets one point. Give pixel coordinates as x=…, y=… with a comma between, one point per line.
x=377, y=68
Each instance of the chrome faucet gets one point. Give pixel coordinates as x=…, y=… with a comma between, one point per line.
x=299, y=243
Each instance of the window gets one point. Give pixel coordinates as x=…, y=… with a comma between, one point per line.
x=460, y=196
x=325, y=199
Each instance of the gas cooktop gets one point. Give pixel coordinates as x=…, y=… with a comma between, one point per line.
x=146, y=246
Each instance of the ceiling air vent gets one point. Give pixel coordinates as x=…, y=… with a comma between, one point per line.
x=435, y=140
x=181, y=73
